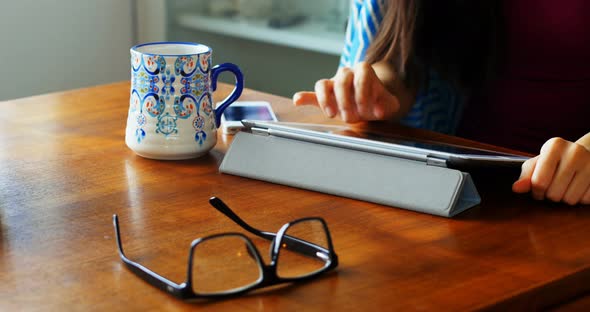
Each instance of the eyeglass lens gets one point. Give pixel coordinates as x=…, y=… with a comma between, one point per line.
x=293, y=261
x=224, y=264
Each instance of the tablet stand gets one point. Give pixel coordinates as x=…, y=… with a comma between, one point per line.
x=381, y=179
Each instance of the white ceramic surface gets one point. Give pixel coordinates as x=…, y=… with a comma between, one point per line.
x=171, y=113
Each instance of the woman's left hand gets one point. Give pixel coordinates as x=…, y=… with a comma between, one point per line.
x=560, y=173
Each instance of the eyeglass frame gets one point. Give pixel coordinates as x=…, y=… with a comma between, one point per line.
x=269, y=276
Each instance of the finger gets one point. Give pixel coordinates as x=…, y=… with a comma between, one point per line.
x=324, y=90
x=570, y=177
x=523, y=184
x=386, y=105
x=364, y=93
x=575, y=191
x=586, y=198
x=564, y=173
x=546, y=166
x=305, y=98
x=343, y=90
x=580, y=158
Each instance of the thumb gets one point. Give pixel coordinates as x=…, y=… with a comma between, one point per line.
x=388, y=105
x=523, y=184
x=305, y=98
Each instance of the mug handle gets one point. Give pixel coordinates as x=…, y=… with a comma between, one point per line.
x=235, y=94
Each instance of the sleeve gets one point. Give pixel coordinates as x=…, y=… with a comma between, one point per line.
x=363, y=21
x=438, y=107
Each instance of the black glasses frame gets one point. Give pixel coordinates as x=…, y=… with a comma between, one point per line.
x=269, y=272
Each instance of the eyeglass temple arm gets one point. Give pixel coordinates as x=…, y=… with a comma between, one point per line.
x=295, y=244
x=223, y=208
x=145, y=273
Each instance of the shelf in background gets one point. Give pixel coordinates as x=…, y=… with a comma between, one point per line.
x=309, y=35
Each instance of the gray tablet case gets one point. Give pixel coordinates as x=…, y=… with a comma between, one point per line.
x=349, y=173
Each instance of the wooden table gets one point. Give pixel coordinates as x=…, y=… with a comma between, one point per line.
x=65, y=169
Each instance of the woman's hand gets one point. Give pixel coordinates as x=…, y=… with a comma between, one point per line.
x=355, y=94
x=560, y=173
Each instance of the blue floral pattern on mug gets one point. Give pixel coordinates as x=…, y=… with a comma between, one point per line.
x=170, y=88
x=184, y=106
x=168, y=85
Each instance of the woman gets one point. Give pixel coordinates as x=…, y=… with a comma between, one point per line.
x=518, y=70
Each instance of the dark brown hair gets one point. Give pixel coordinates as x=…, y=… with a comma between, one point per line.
x=394, y=39
x=457, y=38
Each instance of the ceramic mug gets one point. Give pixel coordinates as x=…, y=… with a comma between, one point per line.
x=171, y=114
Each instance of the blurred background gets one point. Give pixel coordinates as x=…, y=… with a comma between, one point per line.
x=282, y=46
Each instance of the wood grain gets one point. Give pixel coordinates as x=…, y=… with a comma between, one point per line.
x=65, y=170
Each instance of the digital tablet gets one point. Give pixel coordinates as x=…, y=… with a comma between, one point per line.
x=437, y=154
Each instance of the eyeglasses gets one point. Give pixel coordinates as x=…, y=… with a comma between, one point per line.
x=229, y=263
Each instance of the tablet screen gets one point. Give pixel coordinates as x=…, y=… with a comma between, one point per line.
x=237, y=113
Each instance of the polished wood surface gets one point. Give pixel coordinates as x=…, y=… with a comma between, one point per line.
x=65, y=170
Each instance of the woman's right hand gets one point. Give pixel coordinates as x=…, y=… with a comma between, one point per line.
x=355, y=94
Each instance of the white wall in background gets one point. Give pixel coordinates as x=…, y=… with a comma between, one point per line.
x=54, y=45
x=151, y=20
x=267, y=67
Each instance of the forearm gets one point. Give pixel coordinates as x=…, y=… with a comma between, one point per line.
x=397, y=87
x=585, y=141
